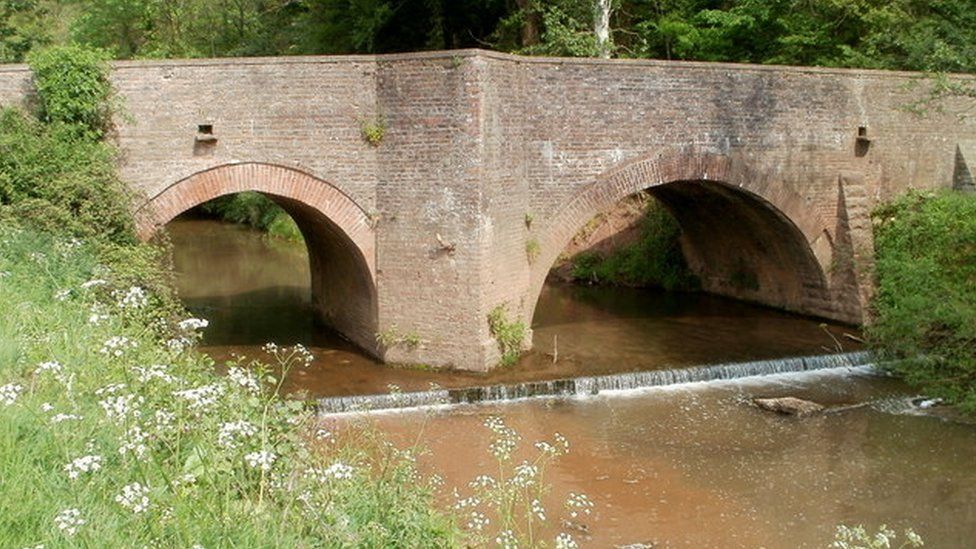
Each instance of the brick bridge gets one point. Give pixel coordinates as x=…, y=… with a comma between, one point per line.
x=490, y=163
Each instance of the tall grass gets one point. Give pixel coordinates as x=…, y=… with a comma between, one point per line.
x=113, y=436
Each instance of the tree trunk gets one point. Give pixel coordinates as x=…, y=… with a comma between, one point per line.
x=530, y=23
x=601, y=27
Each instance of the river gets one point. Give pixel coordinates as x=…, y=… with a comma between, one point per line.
x=685, y=466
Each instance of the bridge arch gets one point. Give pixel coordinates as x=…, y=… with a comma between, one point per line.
x=746, y=234
x=338, y=233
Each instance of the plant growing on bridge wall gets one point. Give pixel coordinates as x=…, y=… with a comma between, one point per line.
x=510, y=334
x=392, y=336
x=532, y=250
x=373, y=129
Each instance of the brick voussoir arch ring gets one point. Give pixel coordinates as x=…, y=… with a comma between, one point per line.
x=658, y=169
x=271, y=179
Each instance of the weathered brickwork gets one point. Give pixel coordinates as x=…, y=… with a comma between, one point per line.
x=489, y=164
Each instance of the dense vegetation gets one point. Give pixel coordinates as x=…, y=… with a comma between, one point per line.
x=254, y=210
x=937, y=35
x=654, y=259
x=925, y=306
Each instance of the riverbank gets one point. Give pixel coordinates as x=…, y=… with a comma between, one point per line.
x=115, y=432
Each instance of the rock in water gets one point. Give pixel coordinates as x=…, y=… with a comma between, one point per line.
x=789, y=405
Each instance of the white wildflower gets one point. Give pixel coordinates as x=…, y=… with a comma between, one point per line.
x=84, y=464
x=62, y=295
x=133, y=442
x=69, y=520
x=482, y=481
x=50, y=366
x=245, y=379
x=193, y=324
x=538, y=510
x=133, y=298
x=10, y=392
x=525, y=475
x=178, y=344
x=232, y=434
x=263, y=460
x=464, y=503
x=477, y=521
x=65, y=417
x=324, y=435
x=134, y=497
x=117, y=345
x=578, y=504
x=118, y=408
x=565, y=541
x=97, y=318
x=110, y=389
x=47, y=407
x=507, y=540
x=146, y=374
x=201, y=398
x=163, y=420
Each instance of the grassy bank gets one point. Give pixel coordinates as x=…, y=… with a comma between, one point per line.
x=925, y=307
x=114, y=432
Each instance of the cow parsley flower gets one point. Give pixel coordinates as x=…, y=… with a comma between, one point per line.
x=10, y=392
x=69, y=520
x=263, y=460
x=118, y=408
x=565, y=541
x=52, y=366
x=201, y=398
x=477, y=521
x=232, y=434
x=245, y=379
x=578, y=504
x=92, y=283
x=507, y=540
x=84, y=464
x=58, y=418
x=133, y=298
x=193, y=324
x=117, y=345
x=133, y=443
x=154, y=371
x=525, y=475
x=134, y=497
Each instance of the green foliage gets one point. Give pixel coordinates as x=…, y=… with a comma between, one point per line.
x=156, y=413
x=392, y=336
x=51, y=177
x=373, y=130
x=654, y=260
x=925, y=306
x=73, y=88
x=510, y=334
x=255, y=210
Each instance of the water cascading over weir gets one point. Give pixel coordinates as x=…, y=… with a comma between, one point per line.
x=418, y=235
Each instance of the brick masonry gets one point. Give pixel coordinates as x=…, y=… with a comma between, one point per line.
x=426, y=232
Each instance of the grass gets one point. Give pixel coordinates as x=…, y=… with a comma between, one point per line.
x=165, y=427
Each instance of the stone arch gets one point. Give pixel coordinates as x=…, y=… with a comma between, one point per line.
x=729, y=212
x=339, y=235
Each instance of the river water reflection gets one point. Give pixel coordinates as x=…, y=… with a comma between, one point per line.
x=254, y=290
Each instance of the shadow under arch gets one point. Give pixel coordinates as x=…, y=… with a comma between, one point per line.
x=338, y=233
x=745, y=234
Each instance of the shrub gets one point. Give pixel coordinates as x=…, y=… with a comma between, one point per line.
x=925, y=306
x=255, y=210
x=73, y=88
x=654, y=260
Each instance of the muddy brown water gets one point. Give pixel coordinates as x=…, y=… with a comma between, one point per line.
x=685, y=466
x=254, y=290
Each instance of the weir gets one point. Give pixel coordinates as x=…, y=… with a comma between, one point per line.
x=590, y=385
